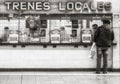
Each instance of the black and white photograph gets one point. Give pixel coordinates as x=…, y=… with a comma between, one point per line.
x=59, y=42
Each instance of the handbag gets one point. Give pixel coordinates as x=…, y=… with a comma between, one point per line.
x=92, y=52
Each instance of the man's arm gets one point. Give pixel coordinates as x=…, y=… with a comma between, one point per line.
x=112, y=38
x=96, y=35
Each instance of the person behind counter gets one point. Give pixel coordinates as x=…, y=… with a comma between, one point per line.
x=62, y=33
x=94, y=26
x=103, y=38
x=6, y=34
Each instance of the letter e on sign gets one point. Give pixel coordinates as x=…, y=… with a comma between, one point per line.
x=108, y=6
x=100, y=6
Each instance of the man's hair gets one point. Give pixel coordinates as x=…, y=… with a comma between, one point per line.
x=94, y=26
x=106, y=21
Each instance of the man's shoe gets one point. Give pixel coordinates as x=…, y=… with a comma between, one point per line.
x=97, y=72
x=104, y=72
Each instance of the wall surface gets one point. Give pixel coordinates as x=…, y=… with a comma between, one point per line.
x=37, y=57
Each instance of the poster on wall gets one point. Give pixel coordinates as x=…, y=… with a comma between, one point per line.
x=116, y=18
x=86, y=36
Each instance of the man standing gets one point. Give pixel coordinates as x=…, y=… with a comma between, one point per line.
x=103, y=38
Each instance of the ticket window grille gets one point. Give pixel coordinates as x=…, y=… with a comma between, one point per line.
x=74, y=23
x=43, y=33
x=43, y=23
x=74, y=33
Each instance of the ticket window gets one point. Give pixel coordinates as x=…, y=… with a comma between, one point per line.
x=43, y=24
x=58, y=29
x=88, y=29
x=86, y=32
x=43, y=27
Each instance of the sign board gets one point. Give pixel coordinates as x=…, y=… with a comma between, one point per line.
x=86, y=36
x=55, y=36
x=65, y=6
x=13, y=38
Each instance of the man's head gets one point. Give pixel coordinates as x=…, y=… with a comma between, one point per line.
x=106, y=23
x=95, y=26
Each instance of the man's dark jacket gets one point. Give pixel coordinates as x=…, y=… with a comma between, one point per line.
x=103, y=37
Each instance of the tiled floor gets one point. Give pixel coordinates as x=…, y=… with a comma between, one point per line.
x=58, y=78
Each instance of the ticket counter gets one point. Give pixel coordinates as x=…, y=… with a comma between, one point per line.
x=58, y=24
